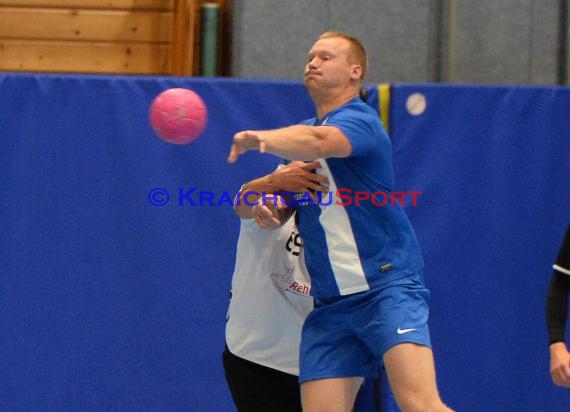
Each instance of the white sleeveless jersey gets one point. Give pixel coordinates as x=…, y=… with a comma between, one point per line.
x=270, y=297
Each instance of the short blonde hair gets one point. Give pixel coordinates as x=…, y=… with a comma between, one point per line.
x=358, y=50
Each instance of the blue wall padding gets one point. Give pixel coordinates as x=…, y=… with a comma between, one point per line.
x=110, y=303
x=493, y=166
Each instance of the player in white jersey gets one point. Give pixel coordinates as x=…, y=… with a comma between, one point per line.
x=270, y=299
x=557, y=315
x=362, y=254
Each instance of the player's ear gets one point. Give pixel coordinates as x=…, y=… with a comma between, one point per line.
x=356, y=72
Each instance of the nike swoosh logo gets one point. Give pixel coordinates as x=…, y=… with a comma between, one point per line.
x=402, y=331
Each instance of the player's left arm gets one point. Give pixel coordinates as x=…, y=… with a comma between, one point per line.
x=556, y=317
x=299, y=142
x=295, y=177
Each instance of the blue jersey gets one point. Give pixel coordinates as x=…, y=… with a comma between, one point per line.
x=351, y=248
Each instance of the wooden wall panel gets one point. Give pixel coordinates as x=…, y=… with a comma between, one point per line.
x=54, y=56
x=100, y=36
x=163, y=5
x=75, y=24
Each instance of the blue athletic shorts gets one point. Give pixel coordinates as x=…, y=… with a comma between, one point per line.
x=347, y=336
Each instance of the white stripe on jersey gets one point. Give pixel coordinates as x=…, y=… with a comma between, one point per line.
x=561, y=269
x=343, y=252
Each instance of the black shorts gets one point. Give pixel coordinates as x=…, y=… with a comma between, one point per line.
x=257, y=388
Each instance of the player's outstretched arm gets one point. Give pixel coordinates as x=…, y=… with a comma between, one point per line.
x=299, y=142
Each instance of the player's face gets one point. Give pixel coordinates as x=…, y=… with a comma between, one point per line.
x=328, y=64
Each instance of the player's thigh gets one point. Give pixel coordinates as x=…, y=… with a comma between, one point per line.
x=330, y=348
x=394, y=314
x=330, y=394
x=411, y=372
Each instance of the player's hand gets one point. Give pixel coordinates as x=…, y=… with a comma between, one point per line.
x=300, y=177
x=271, y=212
x=560, y=364
x=245, y=141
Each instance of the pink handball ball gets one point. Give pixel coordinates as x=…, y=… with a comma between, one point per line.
x=178, y=115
